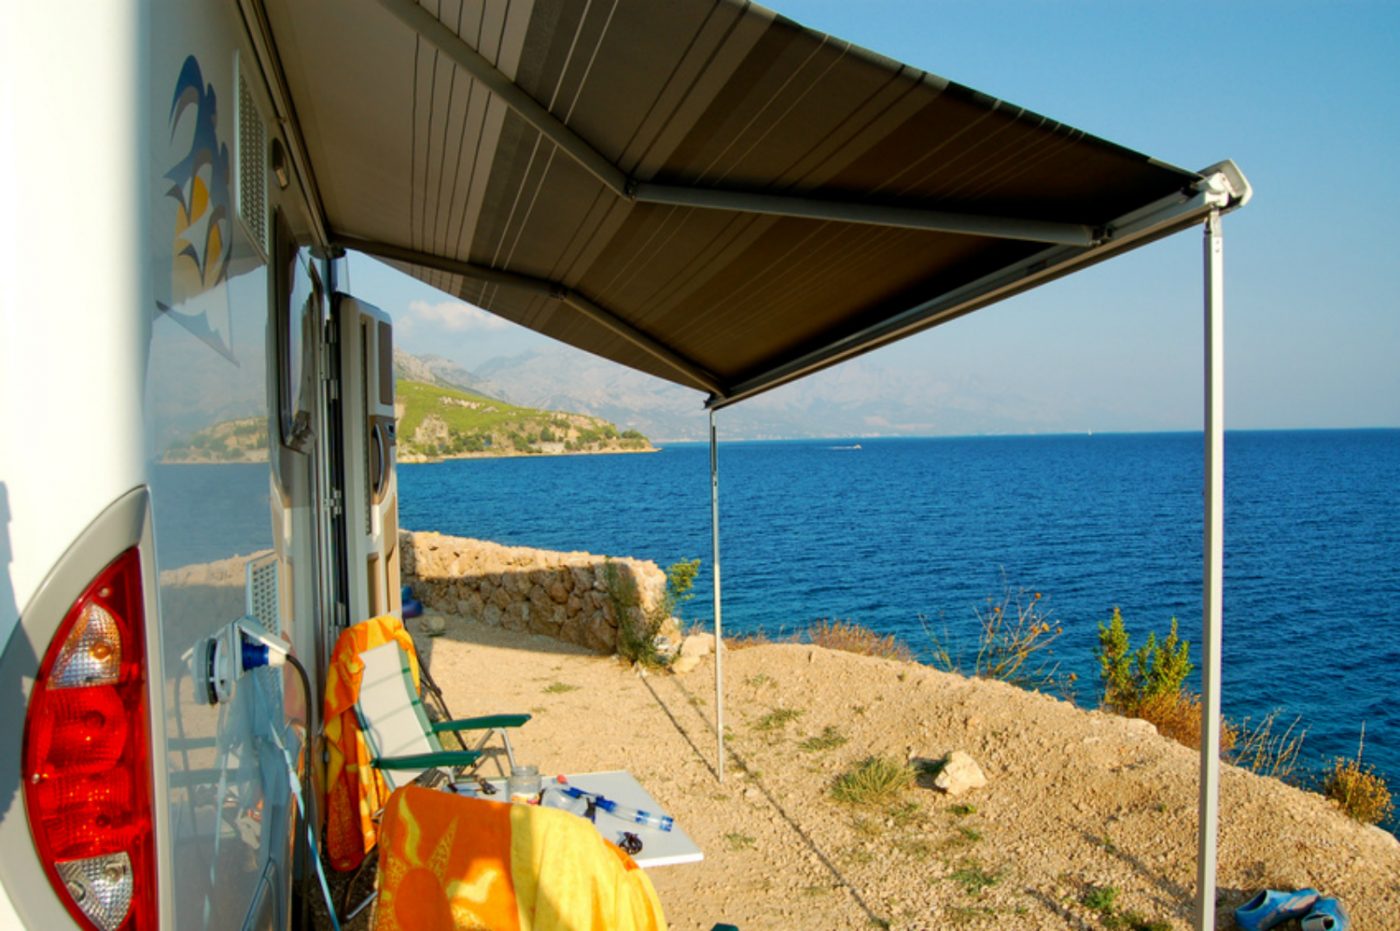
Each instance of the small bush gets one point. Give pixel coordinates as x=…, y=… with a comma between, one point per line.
x=636, y=630
x=853, y=638
x=1178, y=715
x=1149, y=683
x=1130, y=679
x=1359, y=789
x=876, y=780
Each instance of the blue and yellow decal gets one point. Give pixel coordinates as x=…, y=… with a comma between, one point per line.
x=198, y=195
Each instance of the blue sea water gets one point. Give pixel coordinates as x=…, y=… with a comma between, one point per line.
x=904, y=534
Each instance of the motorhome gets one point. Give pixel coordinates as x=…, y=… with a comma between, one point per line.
x=200, y=447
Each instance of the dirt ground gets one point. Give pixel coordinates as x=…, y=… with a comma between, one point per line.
x=1076, y=800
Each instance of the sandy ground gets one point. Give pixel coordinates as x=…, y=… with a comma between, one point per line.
x=1076, y=800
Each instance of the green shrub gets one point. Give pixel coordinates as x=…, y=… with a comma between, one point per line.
x=1149, y=683
x=1133, y=678
x=637, y=628
x=680, y=578
x=636, y=632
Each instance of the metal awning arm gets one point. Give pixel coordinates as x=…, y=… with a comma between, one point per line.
x=694, y=373
x=1222, y=188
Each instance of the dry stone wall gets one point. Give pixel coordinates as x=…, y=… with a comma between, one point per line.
x=561, y=595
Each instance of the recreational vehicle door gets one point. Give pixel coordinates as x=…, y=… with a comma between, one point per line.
x=371, y=483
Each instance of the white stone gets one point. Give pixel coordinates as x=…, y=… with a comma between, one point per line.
x=960, y=773
x=685, y=663
x=432, y=625
x=698, y=645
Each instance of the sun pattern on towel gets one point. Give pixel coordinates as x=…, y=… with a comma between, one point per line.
x=424, y=888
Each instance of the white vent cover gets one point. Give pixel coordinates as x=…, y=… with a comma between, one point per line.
x=262, y=597
x=250, y=174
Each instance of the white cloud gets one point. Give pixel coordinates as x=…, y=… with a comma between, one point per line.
x=454, y=316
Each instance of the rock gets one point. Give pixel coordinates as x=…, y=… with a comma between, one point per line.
x=685, y=663
x=433, y=625
x=960, y=773
x=698, y=645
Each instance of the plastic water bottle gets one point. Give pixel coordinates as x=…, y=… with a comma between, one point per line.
x=622, y=812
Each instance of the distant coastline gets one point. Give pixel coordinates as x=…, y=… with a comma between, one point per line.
x=419, y=459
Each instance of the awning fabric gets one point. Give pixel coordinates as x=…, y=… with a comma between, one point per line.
x=793, y=141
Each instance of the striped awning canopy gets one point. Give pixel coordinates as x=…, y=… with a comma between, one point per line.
x=699, y=189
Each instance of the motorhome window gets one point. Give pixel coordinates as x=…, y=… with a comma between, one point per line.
x=299, y=313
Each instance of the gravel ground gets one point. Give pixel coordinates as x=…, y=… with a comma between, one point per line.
x=1076, y=800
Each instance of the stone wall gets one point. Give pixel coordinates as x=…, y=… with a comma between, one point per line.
x=562, y=595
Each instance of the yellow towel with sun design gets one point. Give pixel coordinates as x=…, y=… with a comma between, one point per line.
x=450, y=862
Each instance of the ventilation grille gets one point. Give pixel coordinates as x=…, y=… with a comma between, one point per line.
x=252, y=166
x=262, y=595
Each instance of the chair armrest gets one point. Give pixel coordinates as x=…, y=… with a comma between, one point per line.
x=447, y=758
x=482, y=723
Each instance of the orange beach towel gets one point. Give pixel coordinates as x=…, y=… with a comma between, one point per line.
x=354, y=789
x=451, y=862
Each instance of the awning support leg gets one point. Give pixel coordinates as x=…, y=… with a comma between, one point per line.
x=718, y=600
x=1213, y=572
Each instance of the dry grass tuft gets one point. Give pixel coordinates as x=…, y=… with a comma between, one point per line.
x=777, y=719
x=853, y=638
x=876, y=780
x=1269, y=754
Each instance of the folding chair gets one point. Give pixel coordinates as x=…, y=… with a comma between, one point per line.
x=403, y=742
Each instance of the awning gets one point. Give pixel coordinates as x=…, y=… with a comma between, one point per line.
x=708, y=192
x=704, y=191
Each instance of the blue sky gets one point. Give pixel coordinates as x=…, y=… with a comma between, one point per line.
x=1305, y=97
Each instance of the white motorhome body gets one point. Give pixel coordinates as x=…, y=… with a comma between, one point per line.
x=201, y=425
x=192, y=390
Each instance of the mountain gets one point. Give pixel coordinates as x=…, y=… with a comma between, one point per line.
x=857, y=398
x=436, y=370
x=436, y=422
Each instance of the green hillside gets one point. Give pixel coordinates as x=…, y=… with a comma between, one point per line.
x=240, y=440
x=436, y=422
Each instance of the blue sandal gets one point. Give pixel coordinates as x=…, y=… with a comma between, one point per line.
x=1269, y=909
x=1326, y=915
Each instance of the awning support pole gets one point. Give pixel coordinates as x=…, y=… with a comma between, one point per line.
x=1213, y=572
x=718, y=600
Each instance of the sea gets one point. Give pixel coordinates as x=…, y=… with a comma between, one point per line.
x=915, y=536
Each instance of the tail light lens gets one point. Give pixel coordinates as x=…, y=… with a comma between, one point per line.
x=87, y=772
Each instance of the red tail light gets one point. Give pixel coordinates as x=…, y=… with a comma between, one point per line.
x=87, y=772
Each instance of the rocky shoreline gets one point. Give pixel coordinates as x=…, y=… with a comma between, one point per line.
x=418, y=458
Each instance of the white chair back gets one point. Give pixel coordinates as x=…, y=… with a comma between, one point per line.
x=391, y=714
